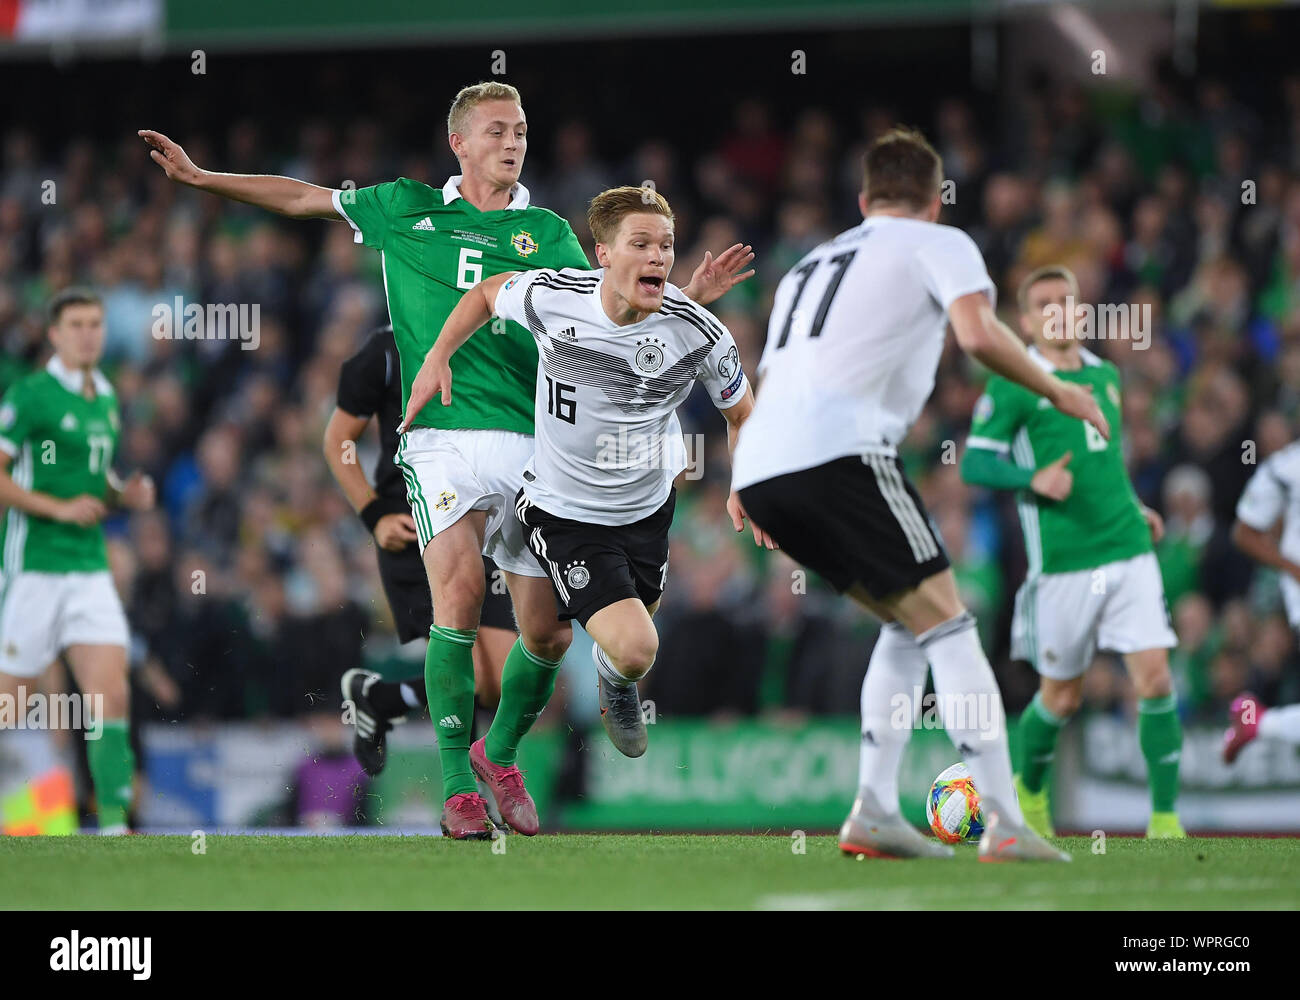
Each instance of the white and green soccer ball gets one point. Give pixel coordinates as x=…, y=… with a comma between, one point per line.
x=953, y=806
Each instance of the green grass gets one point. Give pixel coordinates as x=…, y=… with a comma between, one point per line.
x=614, y=871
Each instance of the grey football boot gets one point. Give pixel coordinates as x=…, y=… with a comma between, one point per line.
x=872, y=832
x=1004, y=842
x=620, y=712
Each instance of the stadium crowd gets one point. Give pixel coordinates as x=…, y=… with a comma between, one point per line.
x=253, y=587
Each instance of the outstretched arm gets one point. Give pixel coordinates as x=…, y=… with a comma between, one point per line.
x=282, y=195
x=1263, y=548
x=990, y=341
x=434, y=378
x=736, y=416
x=715, y=276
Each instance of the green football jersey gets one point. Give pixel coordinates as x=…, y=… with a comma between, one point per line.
x=1101, y=520
x=60, y=443
x=436, y=246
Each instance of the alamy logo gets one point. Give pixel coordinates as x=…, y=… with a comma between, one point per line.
x=451, y=722
x=67, y=712
x=1109, y=321
x=178, y=320
x=75, y=953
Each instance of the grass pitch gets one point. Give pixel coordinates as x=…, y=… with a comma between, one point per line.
x=627, y=872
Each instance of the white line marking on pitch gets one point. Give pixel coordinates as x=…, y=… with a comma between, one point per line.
x=918, y=899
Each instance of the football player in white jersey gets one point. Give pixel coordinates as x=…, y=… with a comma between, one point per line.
x=620, y=349
x=853, y=343
x=1272, y=495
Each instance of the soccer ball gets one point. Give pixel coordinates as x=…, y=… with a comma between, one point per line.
x=953, y=806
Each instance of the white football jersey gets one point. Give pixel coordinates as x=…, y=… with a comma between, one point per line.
x=608, y=443
x=853, y=343
x=1274, y=492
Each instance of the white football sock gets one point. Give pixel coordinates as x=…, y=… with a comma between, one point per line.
x=972, y=711
x=607, y=669
x=890, y=696
x=1281, y=724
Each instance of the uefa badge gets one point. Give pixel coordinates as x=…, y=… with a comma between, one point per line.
x=649, y=355
x=577, y=574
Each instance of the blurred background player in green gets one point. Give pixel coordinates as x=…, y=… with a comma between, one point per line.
x=1093, y=581
x=462, y=463
x=58, y=431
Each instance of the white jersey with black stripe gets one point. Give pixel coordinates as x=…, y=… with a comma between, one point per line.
x=853, y=343
x=608, y=443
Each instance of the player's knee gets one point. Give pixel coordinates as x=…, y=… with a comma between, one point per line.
x=550, y=641
x=1154, y=682
x=634, y=655
x=115, y=700
x=1064, y=700
x=458, y=597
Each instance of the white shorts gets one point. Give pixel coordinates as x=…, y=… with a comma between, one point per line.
x=42, y=614
x=448, y=473
x=1061, y=619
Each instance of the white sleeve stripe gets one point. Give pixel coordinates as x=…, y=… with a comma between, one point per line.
x=1001, y=447
x=338, y=207
x=8, y=447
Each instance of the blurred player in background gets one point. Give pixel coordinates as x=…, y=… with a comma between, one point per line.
x=462, y=463
x=58, y=432
x=1093, y=580
x=620, y=350
x=1270, y=497
x=370, y=387
x=854, y=340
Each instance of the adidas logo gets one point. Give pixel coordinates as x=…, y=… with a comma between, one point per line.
x=569, y=333
x=451, y=722
x=425, y=225
x=69, y=422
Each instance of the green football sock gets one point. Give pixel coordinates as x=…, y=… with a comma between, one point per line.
x=1039, y=729
x=112, y=765
x=449, y=683
x=1160, y=735
x=527, y=683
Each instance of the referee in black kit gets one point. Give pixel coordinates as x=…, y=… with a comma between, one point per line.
x=370, y=385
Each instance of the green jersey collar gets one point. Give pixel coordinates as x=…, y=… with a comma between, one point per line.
x=451, y=191
x=72, y=381
x=1040, y=359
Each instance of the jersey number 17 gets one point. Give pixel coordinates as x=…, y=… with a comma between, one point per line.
x=839, y=263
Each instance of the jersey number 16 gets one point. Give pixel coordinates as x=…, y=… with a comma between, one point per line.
x=560, y=405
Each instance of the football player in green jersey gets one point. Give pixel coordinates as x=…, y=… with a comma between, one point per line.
x=58, y=431
x=463, y=463
x=1093, y=581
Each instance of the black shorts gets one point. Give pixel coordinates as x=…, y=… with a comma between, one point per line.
x=854, y=520
x=591, y=566
x=406, y=585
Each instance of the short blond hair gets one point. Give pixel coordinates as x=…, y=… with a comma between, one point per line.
x=471, y=97
x=1052, y=272
x=609, y=208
